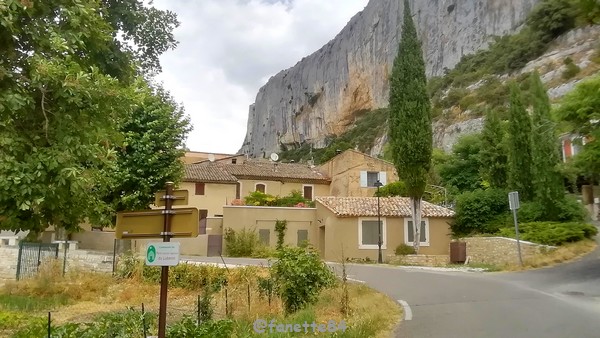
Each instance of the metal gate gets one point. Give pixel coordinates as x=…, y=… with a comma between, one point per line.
x=31, y=256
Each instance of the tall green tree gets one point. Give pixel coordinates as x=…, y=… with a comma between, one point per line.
x=520, y=175
x=493, y=152
x=66, y=84
x=154, y=135
x=462, y=168
x=580, y=109
x=410, y=118
x=548, y=184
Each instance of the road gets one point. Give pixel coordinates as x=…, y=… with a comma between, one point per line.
x=558, y=302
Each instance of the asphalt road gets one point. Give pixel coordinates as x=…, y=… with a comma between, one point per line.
x=563, y=301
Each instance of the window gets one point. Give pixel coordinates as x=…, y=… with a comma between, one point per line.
x=260, y=187
x=233, y=160
x=238, y=189
x=264, y=235
x=302, y=237
x=368, y=178
x=423, y=232
x=200, y=188
x=307, y=192
x=368, y=233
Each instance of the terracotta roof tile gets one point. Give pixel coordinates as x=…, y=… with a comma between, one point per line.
x=389, y=207
x=206, y=172
x=253, y=169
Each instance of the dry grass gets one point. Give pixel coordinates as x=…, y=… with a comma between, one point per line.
x=563, y=254
x=91, y=294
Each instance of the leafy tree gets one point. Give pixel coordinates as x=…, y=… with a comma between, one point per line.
x=548, y=185
x=410, y=118
x=66, y=83
x=553, y=18
x=154, y=134
x=397, y=188
x=580, y=109
x=463, y=166
x=493, y=152
x=520, y=176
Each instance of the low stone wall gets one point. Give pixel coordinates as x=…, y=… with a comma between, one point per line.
x=420, y=260
x=8, y=262
x=500, y=250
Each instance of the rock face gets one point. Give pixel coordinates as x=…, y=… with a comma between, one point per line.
x=322, y=93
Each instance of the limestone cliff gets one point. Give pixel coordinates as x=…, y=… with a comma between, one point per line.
x=322, y=94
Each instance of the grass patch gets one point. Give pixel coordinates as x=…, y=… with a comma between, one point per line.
x=97, y=300
x=562, y=254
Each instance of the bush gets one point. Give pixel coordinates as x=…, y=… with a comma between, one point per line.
x=404, y=249
x=241, y=243
x=475, y=209
x=552, y=233
x=571, y=69
x=299, y=275
x=569, y=210
x=187, y=328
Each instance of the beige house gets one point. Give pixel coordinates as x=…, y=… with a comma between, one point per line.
x=351, y=224
x=345, y=215
x=354, y=173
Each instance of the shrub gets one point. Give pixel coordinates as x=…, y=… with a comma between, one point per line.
x=476, y=208
x=569, y=210
x=241, y=243
x=299, y=276
x=404, y=249
x=397, y=188
x=280, y=228
x=571, y=69
x=188, y=328
x=552, y=233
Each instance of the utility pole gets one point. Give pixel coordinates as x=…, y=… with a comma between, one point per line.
x=380, y=242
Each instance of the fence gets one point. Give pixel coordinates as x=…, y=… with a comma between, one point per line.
x=31, y=256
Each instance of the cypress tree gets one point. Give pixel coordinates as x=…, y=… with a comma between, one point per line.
x=410, y=118
x=520, y=176
x=548, y=186
x=493, y=152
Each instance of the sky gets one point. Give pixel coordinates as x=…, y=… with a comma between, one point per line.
x=228, y=49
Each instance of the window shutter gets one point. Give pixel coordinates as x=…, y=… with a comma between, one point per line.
x=410, y=236
x=199, y=188
x=422, y=233
x=383, y=177
x=363, y=179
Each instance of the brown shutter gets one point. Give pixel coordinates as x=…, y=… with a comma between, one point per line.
x=200, y=188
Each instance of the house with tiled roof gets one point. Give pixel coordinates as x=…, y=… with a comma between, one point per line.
x=344, y=217
x=351, y=224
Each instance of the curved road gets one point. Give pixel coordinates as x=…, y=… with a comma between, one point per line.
x=558, y=302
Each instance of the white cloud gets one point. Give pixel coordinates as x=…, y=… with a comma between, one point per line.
x=229, y=48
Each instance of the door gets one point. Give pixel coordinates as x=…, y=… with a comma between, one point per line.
x=322, y=241
x=203, y=214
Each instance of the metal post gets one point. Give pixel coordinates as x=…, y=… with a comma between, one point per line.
x=114, y=256
x=19, y=265
x=65, y=258
x=517, y=237
x=164, y=276
x=144, y=321
x=49, y=325
x=380, y=242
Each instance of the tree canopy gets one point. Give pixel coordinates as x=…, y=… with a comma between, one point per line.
x=68, y=86
x=410, y=117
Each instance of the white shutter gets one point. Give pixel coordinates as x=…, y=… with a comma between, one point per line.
x=383, y=177
x=363, y=179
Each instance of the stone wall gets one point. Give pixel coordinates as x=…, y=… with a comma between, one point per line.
x=8, y=262
x=420, y=260
x=500, y=250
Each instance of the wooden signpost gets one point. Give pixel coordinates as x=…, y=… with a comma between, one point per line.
x=166, y=223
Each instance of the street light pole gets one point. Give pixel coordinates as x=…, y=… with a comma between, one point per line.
x=380, y=242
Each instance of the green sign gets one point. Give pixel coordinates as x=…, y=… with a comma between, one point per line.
x=151, y=254
x=162, y=254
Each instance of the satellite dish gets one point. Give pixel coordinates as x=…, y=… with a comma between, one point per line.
x=211, y=157
x=274, y=157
